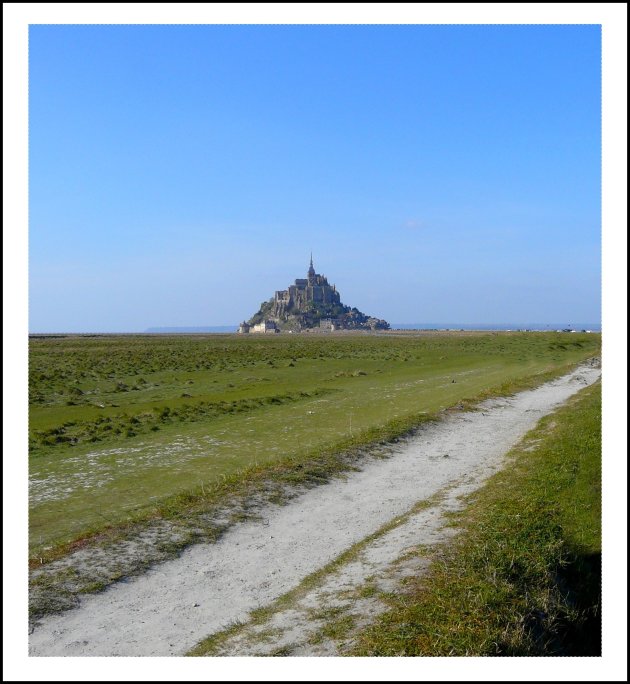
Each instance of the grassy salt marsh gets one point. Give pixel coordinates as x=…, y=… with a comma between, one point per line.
x=120, y=424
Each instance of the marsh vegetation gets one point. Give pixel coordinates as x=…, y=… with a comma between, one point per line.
x=128, y=428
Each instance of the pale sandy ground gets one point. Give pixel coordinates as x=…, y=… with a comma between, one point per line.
x=209, y=587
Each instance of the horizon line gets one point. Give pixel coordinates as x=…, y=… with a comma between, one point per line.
x=393, y=326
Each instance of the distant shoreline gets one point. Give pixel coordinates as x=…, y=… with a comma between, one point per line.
x=437, y=327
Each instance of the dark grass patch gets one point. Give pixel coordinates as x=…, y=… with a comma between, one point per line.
x=106, y=428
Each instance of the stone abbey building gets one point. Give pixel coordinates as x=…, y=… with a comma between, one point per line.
x=314, y=288
x=310, y=302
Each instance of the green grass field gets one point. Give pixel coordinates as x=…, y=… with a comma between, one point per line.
x=119, y=423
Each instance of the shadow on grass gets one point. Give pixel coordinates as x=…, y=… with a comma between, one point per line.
x=583, y=580
x=574, y=629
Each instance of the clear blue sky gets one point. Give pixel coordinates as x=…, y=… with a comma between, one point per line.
x=181, y=174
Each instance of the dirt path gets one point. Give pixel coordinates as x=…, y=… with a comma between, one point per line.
x=210, y=587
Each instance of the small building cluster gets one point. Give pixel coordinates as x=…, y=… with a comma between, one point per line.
x=262, y=327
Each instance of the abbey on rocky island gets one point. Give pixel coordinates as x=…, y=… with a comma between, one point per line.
x=309, y=303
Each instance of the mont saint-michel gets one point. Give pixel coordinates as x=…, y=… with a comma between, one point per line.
x=309, y=303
